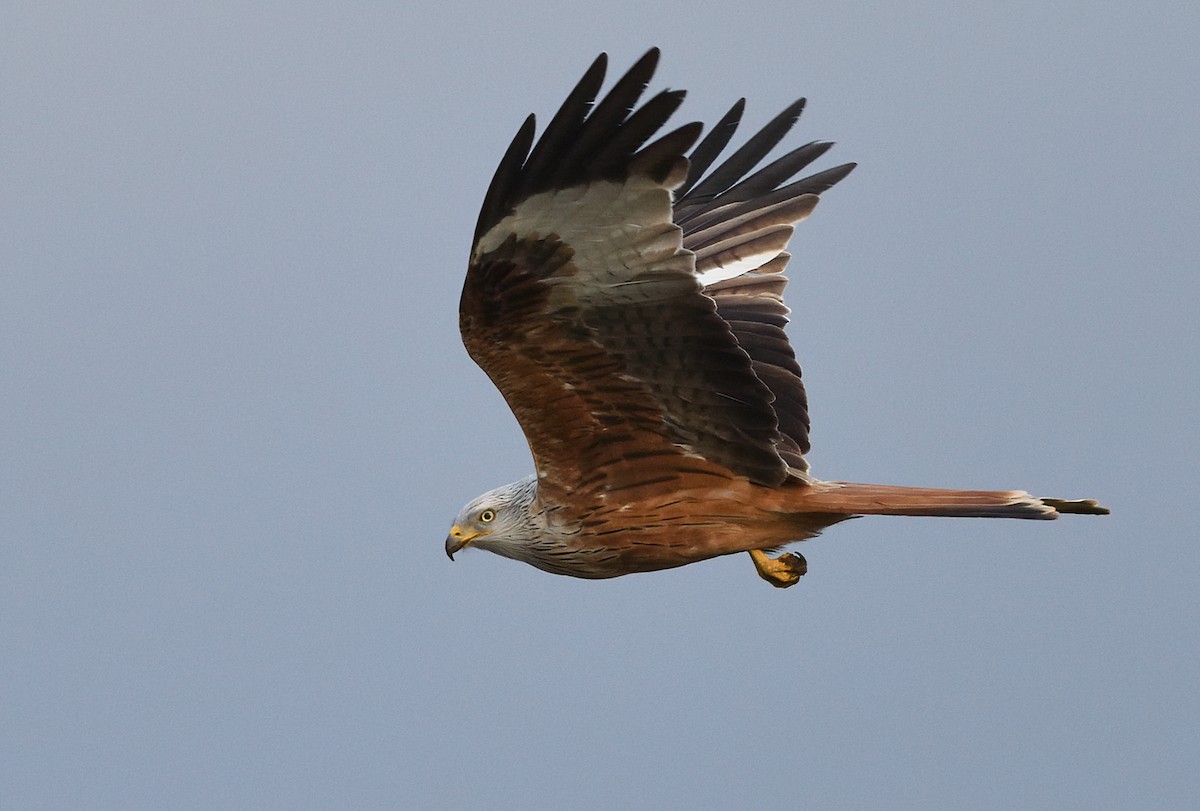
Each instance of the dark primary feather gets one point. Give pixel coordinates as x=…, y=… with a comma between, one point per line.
x=710, y=148
x=656, y=375
x=561, y=131
x=740, y=162
x=498, y=200
x=769, y=177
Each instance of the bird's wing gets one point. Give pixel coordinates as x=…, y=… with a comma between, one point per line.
x=583, y=305
x=737, y=222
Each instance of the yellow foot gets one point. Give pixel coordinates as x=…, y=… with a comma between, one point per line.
x=782, y=571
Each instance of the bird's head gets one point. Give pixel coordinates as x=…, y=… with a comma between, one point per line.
x=497, y=519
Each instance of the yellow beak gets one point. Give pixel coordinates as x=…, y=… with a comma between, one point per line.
x=458, y=538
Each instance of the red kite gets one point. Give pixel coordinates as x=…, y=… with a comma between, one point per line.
x=628, y=303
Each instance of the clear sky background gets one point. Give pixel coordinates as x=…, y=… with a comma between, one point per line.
x=237, y=418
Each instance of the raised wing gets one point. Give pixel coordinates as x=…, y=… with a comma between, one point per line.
x=584, y=306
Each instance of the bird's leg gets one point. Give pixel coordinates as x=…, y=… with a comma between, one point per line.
x=782, y=571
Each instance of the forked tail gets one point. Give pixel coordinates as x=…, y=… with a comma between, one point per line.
x=882, y=499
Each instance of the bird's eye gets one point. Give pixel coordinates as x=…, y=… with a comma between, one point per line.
x=487, y=516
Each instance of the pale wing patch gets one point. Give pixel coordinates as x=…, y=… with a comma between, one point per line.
x=620, y=232
x=621, y=235
x=733, y=258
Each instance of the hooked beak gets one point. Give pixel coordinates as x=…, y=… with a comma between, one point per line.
x=458, y=538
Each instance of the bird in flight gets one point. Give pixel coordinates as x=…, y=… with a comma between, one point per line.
x=626, y=298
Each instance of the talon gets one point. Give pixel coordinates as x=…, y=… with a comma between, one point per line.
x=796, y=563
x=781, y=572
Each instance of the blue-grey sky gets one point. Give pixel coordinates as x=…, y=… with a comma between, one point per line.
x=237, y=418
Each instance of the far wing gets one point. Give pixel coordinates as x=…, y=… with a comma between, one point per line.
x=738, y=222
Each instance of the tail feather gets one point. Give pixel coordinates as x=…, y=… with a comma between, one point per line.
x=881, y=499
x=1079, y=506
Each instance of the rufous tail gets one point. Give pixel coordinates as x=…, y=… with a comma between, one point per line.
x=882, y=499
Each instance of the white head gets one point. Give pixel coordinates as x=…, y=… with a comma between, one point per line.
x=499, y=521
